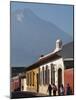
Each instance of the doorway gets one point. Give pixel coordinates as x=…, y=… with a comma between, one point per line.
x=59, y=78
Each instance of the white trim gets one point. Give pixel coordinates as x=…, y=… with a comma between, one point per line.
x=68, y=59
x=56, y=50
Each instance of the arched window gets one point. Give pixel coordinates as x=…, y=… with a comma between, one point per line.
x=33, y=77
x=30, y=79
x=39, y=76
x=28, y=82
x=43, y=74
x=27, y=78
x=46, y=75
x=52, y=74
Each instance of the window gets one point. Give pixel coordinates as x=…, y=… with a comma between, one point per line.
x=27, y=79
x=47, y=75
x=39, y=76
x=33, y=78
x=52, y=74
x=30, y=78
x=43, y=74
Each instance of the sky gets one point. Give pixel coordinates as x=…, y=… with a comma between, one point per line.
x=53, y=13
x=60, y=15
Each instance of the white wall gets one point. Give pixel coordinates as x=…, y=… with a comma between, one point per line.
x=59, y=64
x=23, y=83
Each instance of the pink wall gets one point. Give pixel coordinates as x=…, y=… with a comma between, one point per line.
x=68, y=78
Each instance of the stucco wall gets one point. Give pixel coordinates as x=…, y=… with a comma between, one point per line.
x=69, y=78
x=32, y=88
x=58, y=64
x=23, y=83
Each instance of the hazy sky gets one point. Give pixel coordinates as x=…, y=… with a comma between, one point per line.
x=60, y=15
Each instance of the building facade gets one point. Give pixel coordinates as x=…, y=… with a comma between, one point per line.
x=51, y=73
x=47, y=70
x=32, y=79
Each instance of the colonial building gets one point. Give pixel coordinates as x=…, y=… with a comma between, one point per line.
x=47, y=70
x=32, y=77
x=52, y=71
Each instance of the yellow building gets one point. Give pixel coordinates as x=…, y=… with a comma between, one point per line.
x=32, y=78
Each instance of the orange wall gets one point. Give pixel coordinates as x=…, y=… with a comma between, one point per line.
x=68, y=78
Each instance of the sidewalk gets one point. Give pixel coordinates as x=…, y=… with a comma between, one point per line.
x=40, y=94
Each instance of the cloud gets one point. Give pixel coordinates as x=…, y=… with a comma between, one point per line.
x=20, y=17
